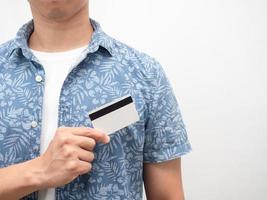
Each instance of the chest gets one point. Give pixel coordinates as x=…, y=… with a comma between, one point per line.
x=88, y=86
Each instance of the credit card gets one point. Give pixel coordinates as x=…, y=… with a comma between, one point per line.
x=115, y=115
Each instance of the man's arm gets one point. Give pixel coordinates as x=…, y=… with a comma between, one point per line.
x=69, y=154
x=19, y=180
x=163, y=181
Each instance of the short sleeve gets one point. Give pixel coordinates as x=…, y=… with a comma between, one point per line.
x=165, y=133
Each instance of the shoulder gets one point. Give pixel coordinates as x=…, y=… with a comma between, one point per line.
x=146, y=71
x=4, y=49
x=5, y=46
x=140, y=60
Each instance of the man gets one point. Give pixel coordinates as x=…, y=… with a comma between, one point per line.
x=60, y=66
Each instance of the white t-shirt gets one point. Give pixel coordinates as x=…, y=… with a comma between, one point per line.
x=57, y=66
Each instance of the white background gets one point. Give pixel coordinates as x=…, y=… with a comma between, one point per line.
x=215, y=55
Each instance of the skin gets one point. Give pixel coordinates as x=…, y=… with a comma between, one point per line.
x=69, y=155
x=61, y=25
x=163, y=181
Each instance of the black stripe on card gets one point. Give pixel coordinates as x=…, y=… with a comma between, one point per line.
x=111, y=108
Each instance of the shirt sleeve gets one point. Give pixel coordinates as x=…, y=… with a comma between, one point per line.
x=165, y=134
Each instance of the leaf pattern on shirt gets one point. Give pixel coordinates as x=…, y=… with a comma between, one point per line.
x=110, y=70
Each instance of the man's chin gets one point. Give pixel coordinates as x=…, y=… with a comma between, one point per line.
x=57, y=14
x=54, y=1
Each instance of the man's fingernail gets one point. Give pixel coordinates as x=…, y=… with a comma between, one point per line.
x=108, y=139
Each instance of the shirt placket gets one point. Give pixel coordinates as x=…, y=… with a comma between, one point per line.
x=36, y=123
x=65, y=110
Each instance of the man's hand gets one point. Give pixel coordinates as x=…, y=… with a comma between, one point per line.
x=69, y=154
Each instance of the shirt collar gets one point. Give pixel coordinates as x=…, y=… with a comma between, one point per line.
x=99, y=39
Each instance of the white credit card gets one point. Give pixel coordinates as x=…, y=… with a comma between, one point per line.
x=115, y=115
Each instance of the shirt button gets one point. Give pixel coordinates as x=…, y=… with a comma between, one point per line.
x=38, y=78
x=34, y=124
x=35, y=149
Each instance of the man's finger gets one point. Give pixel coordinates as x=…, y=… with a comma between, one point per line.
x=84, y=155
x=97, y=135
x=84, y=142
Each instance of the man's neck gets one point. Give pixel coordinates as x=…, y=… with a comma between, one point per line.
x=54, y=36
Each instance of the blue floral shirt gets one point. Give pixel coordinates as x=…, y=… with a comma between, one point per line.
x=107, y=70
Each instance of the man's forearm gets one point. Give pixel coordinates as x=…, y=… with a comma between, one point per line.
x=18, y=180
